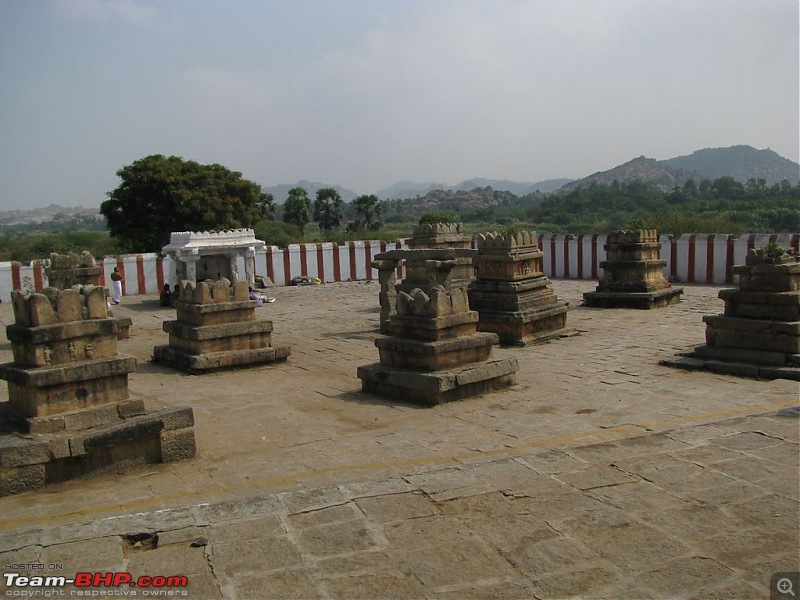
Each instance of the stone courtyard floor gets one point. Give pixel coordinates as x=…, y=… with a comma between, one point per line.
x=601, y=474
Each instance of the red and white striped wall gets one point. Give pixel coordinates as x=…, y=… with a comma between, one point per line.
x=692, y=258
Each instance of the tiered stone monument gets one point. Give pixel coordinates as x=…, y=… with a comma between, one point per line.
x=759, y=333
x=69, y=412
x=633, y=273
x=435, y=353
x=512, y=294
x=216, y=329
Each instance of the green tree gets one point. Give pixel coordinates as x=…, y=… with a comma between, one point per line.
x=160, y=194
x=267, y=207
x=328, y=209
x=297, y=208
x=368, y=208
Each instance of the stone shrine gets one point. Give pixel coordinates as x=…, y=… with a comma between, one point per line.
x=69, y=412
x=419, y=274
x=440, y=236
x=213, y=255
x=435, y=353
x=511, y=293
x=633, y=273
x=68, y=270
x=217, y=328
x=759, y=333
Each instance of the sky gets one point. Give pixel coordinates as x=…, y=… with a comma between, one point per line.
x=366, y=93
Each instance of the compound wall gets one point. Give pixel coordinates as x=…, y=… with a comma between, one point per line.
x=692, y=258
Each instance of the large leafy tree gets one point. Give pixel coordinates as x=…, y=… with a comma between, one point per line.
x=297, y=208
x=328, y=209
x=160, y=194
x=369, y=208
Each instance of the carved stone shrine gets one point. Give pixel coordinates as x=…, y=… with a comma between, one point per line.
x=68, y=270
x=435, y=353
x=440, y=236
x=204, y=255
x=512, y=294
x=69, y=413
x=217, y=328
x=759, y=333
x=421, y=271
x=633, y=273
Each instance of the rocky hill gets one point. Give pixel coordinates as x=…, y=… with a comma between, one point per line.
x=739, y=162
x=411, y=189
x=54, y=212
x=480, y=197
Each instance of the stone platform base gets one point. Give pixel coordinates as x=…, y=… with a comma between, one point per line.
x=438, y=387
x=642, y=300
x=35, y=460
x=527, y=327
x=691, y=362
x=197, y=364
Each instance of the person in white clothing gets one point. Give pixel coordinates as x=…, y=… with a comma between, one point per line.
x=116, y=280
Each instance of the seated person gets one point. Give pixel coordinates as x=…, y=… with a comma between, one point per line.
x=176, y=295
x=254, y=295
x=166, y=296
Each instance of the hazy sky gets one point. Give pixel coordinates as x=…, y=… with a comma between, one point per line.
x=365, y=93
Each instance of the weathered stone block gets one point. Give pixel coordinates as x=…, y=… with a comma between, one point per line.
x=129, y=430
x=15, y=480
x=435, y=355
x=198, y=364
x=430, y=389
x=178, y=418
x=177, y=445
x=17, y=452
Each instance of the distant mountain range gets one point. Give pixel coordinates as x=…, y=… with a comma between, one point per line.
x=740, y=162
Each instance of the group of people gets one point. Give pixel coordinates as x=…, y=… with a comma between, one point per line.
x=169, y=298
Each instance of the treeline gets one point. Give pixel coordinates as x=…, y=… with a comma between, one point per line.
x=25, y=247
x=723, y=205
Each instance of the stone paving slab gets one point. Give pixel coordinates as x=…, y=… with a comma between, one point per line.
x=600, y=474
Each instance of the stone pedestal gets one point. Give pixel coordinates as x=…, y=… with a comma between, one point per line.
x=759, y=333
x=68, y=392
x=511, y=292
x=216, y=329
x=435, y=353
x=633, y=273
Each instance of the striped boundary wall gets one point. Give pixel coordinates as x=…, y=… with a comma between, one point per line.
x=692, y=258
